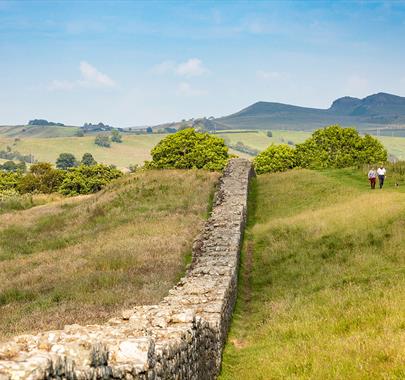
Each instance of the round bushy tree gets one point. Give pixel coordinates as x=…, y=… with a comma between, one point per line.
x=336, y=147
x=189, y=149
x=276, y=158
x=88, y=160
x=66, y=161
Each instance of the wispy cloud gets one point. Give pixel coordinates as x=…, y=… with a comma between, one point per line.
x=186, y=89
x=269, y=75
x=90, y=77
x=193, y=67
x=164, y=67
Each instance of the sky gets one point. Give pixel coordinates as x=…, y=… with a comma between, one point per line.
x=136, y=63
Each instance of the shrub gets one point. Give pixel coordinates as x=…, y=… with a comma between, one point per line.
x=9, y=166
x=276, y=158
x=189, y=149
x=102, y=140
x=66, y=161
x=116, y=136
x=9, y=181
x=336, y=147
x=88, y=160
x=88, y=179
x=41, y=178
x=269, y=134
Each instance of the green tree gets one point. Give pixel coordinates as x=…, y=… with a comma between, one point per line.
x=116, y=136
x=66, y=161
x=269, y=134
x=189, y=149
x=88, y=160
x=336, y=147
x=102, y=140
x=276, y=158
x=9, y=166
x=88, y=179
x=41, y=178
x=9, y=180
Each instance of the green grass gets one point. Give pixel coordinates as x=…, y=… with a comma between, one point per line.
x=322, y=278
x=23, y=131
x=259, y=139
x=83, y=259
x=394, y=145
x=134, y=149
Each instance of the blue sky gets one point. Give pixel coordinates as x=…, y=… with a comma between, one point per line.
x=130, y=63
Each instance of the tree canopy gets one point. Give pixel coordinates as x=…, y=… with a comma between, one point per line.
x=336, y=147
x=66, y=161
x=190, y=149
x=276, y=158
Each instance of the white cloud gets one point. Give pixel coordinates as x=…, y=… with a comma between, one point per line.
x=164, y=67
x=193, y=67
x=185, y=89
x=90, y=77
x=269, y=75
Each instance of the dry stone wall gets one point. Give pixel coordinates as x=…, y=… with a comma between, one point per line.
x=180, y=338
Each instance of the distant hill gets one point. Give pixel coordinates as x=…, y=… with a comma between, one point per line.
x=378, y=110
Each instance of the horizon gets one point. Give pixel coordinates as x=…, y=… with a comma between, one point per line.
x=145, y=63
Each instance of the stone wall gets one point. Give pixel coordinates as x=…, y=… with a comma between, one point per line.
x=180, y=338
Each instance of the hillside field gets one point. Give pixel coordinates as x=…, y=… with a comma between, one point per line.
x=321, y=293
x=83, y=259
x=135, y=149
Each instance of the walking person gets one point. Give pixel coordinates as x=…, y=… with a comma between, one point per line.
x=381, y=175
x=372, y=177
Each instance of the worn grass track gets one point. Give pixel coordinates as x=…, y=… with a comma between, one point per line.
x=326, y=293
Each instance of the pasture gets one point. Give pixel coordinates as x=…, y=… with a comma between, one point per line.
x=83, y=259
x=321, y=283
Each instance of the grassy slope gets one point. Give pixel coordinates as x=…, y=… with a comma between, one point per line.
x=321, y=296
x=83, y=259
x=259, y=140
x=133, y=150
x=22, y=131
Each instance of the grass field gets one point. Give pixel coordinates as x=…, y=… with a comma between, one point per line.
x=83, y=259
x=259, y=139
x=133, y=150
x=22, y=131
x=322, y=280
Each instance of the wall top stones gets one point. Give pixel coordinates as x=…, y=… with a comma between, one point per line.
x=180, y=338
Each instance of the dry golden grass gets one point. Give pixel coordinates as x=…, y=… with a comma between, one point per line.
x=82, y=261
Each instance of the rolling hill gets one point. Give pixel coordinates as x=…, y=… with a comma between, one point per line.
x=375, y=111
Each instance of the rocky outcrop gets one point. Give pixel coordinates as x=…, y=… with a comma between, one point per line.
x=180, y=338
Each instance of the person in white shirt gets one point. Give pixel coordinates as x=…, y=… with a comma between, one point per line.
x=372, y=177
x=381, y=175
